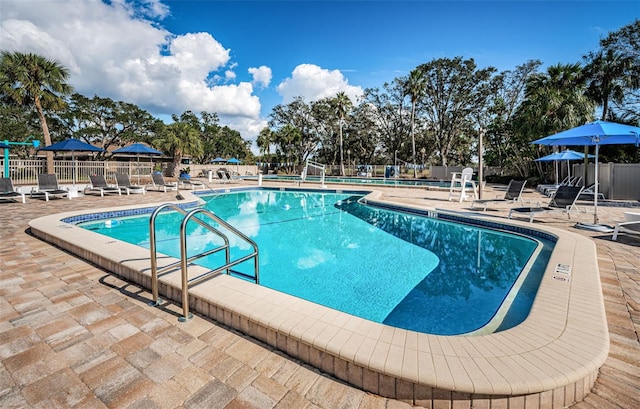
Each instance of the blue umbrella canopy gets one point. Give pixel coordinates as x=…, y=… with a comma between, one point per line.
x=594, y=134
x=219, y=160
x=71, y=145
x=138, y=149
x=567, y=154
x=233, y=160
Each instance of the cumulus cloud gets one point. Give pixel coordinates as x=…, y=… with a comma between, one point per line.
x=261, y=76
x=119, y=51
x=313, y=82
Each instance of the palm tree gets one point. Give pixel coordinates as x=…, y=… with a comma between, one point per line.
x=264, y=141
x=554, y=101
x=414, y=87
x=180, y=139
x=606, y=73
x=27, y=79
x=343, y=106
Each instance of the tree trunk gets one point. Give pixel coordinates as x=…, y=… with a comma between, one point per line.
x=45, y=133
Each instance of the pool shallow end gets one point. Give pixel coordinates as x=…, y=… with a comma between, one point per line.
x=550, y=360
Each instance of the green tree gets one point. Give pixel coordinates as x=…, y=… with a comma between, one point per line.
x=343, y=106
x=555, y=101
x=178, y=139
x=27, y=79
x=455, y=91
x=607, y=75
x=264, y=142
x=386, y=109
x=106, y=122
x=414, y=87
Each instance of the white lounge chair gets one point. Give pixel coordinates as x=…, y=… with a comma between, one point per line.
x=631, y=222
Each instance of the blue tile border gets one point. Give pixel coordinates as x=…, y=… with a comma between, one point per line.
x=119, y=213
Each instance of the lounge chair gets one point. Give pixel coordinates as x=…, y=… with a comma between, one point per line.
x=223, y=175
x=99, y=184
x=588, y=193
x=8, y=192
x=565, y=182
x=512, y=195
x=631, y=222
x=124, y=184
x=574, y=181
x=563, y=200
x=191, y=183
x=159, y=183
x=48, y=187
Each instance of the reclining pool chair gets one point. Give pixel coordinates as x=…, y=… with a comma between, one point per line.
x=589, y=191
x=192, y=184
x=99, y=184
x=124, y=184
x=631, y=222
x=48, y=187
x=512, y=195
x=8, y=192
x=564, y=200
x=159, y=183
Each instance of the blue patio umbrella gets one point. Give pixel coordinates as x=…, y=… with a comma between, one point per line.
x=138, y=149
x=234, y=160
x=594, y=134
x=72, y=145
x=567, y=155
x=219, y=160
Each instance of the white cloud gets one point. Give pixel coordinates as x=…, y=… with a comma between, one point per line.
x=261, y=76
x=118, y=51
x=313, y=82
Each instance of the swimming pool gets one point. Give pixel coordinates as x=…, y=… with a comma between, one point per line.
x=550, y=360
x=401, y=269
x=361, y=181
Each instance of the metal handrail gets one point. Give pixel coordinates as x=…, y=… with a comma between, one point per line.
x=184, y=260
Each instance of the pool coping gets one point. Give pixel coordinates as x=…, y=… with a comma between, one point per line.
x=551, y=359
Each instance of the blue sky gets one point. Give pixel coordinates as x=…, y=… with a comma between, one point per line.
x=240, y=58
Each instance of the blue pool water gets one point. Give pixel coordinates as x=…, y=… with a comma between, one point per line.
x=364, y=181
x=400, y=269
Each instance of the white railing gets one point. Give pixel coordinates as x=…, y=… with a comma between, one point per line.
x=26, y=171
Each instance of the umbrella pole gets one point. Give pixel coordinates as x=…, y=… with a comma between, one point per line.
x=595, y=197
x=138, y=167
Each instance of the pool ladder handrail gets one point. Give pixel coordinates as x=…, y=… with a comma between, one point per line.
x=184, y=260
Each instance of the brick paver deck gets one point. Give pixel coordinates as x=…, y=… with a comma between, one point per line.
x=74, y=335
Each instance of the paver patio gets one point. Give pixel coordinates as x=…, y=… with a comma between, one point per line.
x=74, y=335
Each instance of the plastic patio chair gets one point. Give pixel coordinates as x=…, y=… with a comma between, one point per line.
x=158, y=183
x=124, y=184
x=631, y=222
x=564, y=200
x=8, y=192
x=99, y=184
x=512, y=195
x=48, y=187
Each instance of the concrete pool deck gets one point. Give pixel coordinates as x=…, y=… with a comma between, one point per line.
x=64, y=307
